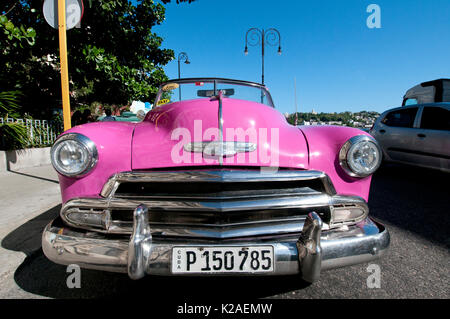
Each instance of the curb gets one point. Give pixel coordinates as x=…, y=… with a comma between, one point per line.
x=19, y=159
x=3, y=165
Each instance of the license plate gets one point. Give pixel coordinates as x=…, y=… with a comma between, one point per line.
x=233, y=259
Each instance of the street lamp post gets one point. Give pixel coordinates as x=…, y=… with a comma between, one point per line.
x=181, y=57
x=263, y=37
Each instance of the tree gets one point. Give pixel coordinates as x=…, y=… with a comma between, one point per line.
x=114, y=57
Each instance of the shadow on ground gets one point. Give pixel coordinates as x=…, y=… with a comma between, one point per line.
x=35, y=176
x=414, y=199
x=42, y=277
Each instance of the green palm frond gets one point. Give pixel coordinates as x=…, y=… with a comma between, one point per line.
x=14, y=136
x=9, y=101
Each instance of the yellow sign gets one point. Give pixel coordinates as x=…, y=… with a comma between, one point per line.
x=170, y=87
x=163, y=101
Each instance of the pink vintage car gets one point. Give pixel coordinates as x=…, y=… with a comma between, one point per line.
x=216, y=182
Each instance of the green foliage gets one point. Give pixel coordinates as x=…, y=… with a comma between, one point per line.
x=15, y=36
x=9, y=102
x=14, y=136
x=114, y=57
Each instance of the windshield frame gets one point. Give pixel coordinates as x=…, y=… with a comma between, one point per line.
x=218, y=80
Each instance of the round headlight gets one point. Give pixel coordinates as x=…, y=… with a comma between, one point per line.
x=360, y=156
x=74, y=154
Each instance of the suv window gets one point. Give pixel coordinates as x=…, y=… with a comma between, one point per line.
x=401, y=118
x=410, y=102
x=435, y=118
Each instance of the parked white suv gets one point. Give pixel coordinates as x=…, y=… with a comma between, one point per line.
x=416, y=134
x=428, y=92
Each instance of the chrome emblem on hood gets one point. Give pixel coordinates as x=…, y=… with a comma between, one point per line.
x=217, y=148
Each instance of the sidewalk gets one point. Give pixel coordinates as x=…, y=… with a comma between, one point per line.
x=24, y=195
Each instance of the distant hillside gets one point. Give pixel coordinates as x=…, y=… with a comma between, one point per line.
x=359, y=119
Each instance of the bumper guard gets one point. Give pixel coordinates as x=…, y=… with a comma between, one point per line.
x=307, y=254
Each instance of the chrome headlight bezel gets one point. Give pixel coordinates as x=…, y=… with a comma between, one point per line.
x=85, y=143
x=349, y=146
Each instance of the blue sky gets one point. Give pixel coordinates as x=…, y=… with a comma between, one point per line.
x=339, y=63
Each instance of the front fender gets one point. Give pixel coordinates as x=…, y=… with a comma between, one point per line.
x=324, y=144
x=113, y=142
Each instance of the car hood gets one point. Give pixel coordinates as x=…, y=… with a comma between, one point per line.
x=159, y=141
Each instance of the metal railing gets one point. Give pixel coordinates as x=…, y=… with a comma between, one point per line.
x=39, y=132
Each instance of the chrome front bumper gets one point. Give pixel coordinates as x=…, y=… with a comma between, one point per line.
x=307, y=255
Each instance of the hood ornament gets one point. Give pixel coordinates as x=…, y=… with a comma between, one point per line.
x=217, y=148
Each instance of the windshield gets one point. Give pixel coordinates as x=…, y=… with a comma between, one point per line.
x=188, y=89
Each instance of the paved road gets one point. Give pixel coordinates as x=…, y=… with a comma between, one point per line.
x=412, y=202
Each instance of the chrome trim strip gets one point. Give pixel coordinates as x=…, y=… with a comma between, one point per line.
x=220, y=175
x=272, y=227
x=357, y=244
x=226, y=206
x=253, y=228
x=262, y=229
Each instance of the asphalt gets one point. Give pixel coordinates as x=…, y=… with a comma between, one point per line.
x=412, y=202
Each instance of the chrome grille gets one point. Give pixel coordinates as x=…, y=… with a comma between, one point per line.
x=221, y=203
x=217, y=190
